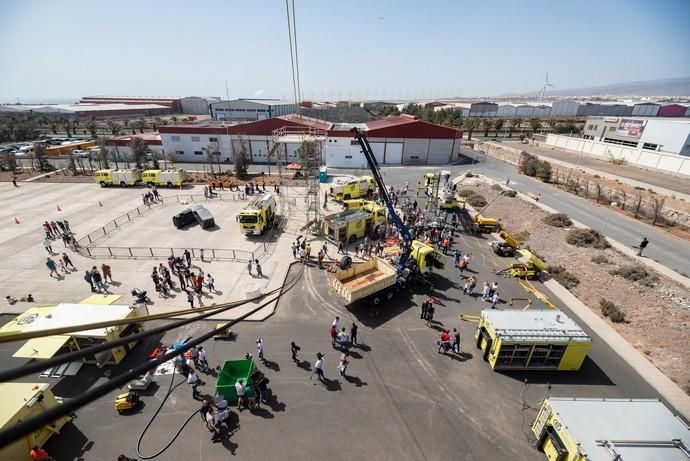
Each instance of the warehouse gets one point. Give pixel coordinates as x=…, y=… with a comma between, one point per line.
x=173, y=104
x=195, y=105
x=579, y=429
x=483, y=109
x=655, y=134
x=507, y=110
x=394, y=141
x=251, y=109
x=645, y=109
x=92, y=109
x=188, y=142
x=565, y=108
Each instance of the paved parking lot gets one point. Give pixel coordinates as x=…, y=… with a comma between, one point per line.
x=402, y=399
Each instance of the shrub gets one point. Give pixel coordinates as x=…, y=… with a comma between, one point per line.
x=469, y=174
x=635, y=273
x=610, y=310
x=558, y=220
x=510, y=193
x=496, y=187
x=530, y=165
x=600, y=259
x=477, y=201
x=466, y=192
x=587, y=238
x=521, y=237
x=562, y=276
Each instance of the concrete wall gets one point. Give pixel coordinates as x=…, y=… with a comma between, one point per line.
x=635, y=156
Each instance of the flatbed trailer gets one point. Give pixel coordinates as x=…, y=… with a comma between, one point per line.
x=375, y=278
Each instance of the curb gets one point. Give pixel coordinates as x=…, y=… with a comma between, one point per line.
x=669, y=390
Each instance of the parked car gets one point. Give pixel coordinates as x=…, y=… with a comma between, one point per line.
x=203, y=216
x=79, y=153
x=183, y=218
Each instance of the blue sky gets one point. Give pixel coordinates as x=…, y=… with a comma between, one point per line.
x=358, y=49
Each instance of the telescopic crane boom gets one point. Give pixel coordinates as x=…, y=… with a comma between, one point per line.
x=383, y=191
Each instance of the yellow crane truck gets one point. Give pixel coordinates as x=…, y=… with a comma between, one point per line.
x=360, y=187
x=352, y=224
x=256, y=217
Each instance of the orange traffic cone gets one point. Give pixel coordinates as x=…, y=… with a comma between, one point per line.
x=100, y=203
x=58, y=208
x=16, y=221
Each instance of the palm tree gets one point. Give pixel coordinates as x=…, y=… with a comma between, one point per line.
x=469, y=124
x=114, y=127
x=498, y=125
x=139, y=125
x=535, y=123
x=515, y=123
x=92, y=126
x=125, y=123
x=487, y=123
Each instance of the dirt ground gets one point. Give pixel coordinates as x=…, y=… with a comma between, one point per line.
x=657, y=317
x=671, y=204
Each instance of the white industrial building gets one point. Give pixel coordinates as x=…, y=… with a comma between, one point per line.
x=250, y=109
x=196, y=105
x=669, y=135
x=395, y=140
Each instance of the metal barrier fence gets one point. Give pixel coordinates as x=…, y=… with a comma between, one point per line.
x=88, y=244
x=161, y=253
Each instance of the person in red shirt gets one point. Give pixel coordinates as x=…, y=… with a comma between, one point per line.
x=39, y=454
x=444, y=343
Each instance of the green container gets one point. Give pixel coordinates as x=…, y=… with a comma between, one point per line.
x=232, y=371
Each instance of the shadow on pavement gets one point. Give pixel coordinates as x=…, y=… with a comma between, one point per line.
x=304, y=365
x=71, y=444
x=355, y=380
x=589, y=374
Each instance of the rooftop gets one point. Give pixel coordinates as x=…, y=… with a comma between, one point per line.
x=634, y=420
x=391, y=121
x=73, y=108
x=534, y=324
x=15, y=396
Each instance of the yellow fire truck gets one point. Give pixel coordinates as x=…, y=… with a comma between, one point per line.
x=170, y=178
x=122, y=178
x=256, y=217
x=360, y=187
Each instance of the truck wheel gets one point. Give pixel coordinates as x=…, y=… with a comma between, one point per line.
x=345, y=262
x=352, y=239
x=123, y=184
x=170, y=185
x=149, y=184
x=346, y=197
x=103, y=184
x=389, y=295
x=376, y=300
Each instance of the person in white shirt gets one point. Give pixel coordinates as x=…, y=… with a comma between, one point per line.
x=318, y=367
x=260, y=347
x=193, y=380
x=239, y=387
x=344, y=339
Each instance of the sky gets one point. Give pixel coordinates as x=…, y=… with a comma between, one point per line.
x=354, y=49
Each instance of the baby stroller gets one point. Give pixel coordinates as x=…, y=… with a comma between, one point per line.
x=140, y=296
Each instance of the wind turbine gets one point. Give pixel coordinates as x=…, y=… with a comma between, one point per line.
x=544, y=86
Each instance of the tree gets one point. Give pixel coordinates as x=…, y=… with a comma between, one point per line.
x=72, y=166
x=103, y=153
x=9, y=161
x=535, y=123
x=487, y=123
x=469, y=124
x=498, y=124
x=657, y=207
x=39, y=154
x=92, y=126
x=139, y=149
x=169, y=159
x=515, y=123
x=67, y=125
x=139, y=125
x=114, y=127
x=125, y=123
x=211, y=152
x=241, y=161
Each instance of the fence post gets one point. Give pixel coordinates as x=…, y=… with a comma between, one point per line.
x=138, y=211
x=89, y=237
x=88, y=250
x=104, y=233
x=151, y=250
x=233, y=254
x=130, y=252
x=110, y=250
x=213, y=253
x=128, y=218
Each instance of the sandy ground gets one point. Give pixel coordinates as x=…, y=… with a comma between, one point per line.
x=657, y=317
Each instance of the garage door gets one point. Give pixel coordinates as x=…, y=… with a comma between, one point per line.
x=259, y=151
x=440, y=151
x=292, y=152
x=415, y=151
x=378, y=148
x=394, y=151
